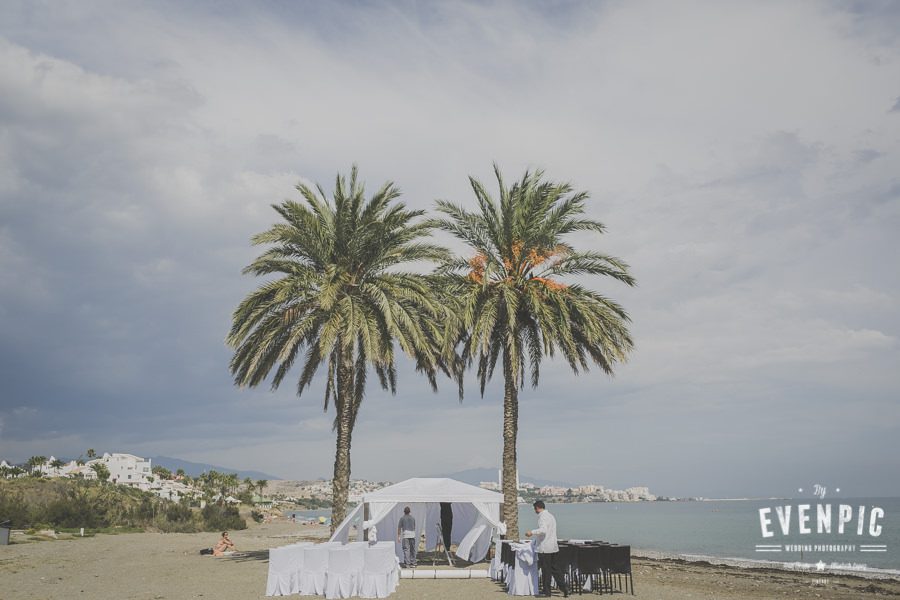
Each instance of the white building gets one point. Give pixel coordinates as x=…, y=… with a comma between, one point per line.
x=126, y=469
x=73, y=469
x=171, y=490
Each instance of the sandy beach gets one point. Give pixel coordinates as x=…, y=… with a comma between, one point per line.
x=154, y=566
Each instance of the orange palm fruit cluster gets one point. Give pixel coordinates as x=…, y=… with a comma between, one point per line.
x=477, y=263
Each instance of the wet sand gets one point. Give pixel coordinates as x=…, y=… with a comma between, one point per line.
x=156, y=566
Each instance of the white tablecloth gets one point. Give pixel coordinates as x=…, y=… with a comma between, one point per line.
x=522, y=579
x=334, y=570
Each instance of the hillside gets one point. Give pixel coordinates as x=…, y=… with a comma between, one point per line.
x=29, y=502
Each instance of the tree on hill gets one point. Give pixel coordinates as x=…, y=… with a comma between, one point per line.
x=101, y=470
x=232, y=481
x=34, y=465
x=162, y=472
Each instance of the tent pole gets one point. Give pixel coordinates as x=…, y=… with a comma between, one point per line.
x=366, y=517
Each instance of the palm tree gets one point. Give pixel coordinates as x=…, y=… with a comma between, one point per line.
x=210, y=483
x=261, y=486
x=248, y=483
x=232, y=481
x=90, y=453
x=34, y=465
x=339, y=300
x=511, y=303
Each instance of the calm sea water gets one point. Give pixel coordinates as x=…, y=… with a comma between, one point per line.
x=724, y=529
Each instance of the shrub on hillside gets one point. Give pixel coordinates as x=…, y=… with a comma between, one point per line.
x=221, y=517
x=72, y=504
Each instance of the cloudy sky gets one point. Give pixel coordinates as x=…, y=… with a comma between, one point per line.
x=744, y=157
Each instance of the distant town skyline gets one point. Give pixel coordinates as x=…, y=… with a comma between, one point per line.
x=742, y=156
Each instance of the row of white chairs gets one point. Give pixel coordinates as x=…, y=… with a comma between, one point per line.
x=334, y=570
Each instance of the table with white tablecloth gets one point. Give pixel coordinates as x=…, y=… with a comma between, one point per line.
x=334, y=570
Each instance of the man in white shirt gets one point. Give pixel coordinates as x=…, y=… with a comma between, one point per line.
x=547, y=548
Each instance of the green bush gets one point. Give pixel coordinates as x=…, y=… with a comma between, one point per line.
x=13, y=508
x=221, y=517
x=257, y=516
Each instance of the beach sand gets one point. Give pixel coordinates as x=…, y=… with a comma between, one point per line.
x=157, y=566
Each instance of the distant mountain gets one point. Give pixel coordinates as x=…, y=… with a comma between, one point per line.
x=194, y=469
x=476, y=476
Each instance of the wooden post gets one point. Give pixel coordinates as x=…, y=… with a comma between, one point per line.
x=365, y=518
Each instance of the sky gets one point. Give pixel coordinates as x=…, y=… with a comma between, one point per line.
x=743, y=156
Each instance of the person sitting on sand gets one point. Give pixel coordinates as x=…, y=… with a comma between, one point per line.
x=225, y=545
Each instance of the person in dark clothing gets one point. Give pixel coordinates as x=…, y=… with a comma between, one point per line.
x=406, y=534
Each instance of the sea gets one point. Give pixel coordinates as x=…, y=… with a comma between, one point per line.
x=731, y=529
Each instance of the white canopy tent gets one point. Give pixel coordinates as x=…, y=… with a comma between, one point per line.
x=476, y=514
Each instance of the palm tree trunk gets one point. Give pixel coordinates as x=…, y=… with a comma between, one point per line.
x=510, y=432
x=340, y=483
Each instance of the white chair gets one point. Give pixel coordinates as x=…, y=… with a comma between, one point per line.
x=381, y=572
x=285, y=564
x=523, y=577
x=395, y=572
x=357, y=553
x=495, y=571
x=342, y=578
x=314, y=572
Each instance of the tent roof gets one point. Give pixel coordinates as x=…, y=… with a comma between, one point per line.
x=432, y=489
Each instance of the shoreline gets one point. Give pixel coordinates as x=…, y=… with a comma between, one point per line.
x=764, y=565
x=168, y=565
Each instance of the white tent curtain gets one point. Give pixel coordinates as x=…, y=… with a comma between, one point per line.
x=432, y=517
x=475, y=545
x=343, y=530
